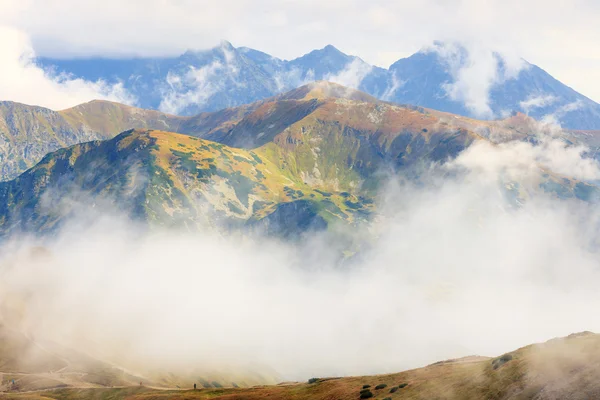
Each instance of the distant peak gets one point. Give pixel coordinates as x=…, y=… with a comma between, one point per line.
x=226, y=45
x=330, y=49
x=439, y=46
x=223, y=45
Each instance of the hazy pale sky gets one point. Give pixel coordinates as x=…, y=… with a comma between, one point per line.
x=560, y=36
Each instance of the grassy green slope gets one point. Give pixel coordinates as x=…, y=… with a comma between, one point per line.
x=163, y=178
x=304, y=159
x=27, y=133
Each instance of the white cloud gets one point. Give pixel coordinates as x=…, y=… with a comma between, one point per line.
x=23, y=81
x=292, y=78
x=530, y=269
x=522, y=161
x=525, y=161
x=197, y=85
x=573, y=106
x=475, y=71
x=561, y=111
x=390, y=91
x=359, y=27
x=539, y=101
x=352, y=75
x=407, y=302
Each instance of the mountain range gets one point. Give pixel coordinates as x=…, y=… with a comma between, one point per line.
x=254, y=145
x=301, y=161
x=226, y=76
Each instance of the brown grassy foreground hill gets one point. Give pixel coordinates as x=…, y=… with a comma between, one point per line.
x=565, y=368
x=29, y=365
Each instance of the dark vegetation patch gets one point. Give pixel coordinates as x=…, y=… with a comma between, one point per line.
x=365, y=200
x=322, y=193
x=205, y=174
x=216, y=146
x=241, y=159
x=185, y=160
x=259, y=205
x=380, y=386
x=366, y=394
x=353, y=205
x=403, y=385
x=205, y=383
x=330, y=206
x=294, y=194
x=234, y=208
x=292, y=220
x=241, y=185
x=256, y=158
x=394, y=389
x=366, y=386
x=500, y=361
x=313, y=380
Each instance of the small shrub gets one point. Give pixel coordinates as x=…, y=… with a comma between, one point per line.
x=403, y=385
x=500, y=361
x=313, y=380
x=366, y=394
x=394, y=389
x=387, y=398
x=380, y=386
x=366, y=386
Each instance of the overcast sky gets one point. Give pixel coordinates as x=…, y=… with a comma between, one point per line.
x=561, y=36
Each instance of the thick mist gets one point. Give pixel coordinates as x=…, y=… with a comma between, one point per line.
x=451, y=268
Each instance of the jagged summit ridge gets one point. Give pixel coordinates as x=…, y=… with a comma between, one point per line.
x=226, y=76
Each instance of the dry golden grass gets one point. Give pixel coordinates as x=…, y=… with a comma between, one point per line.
x=567, y=368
